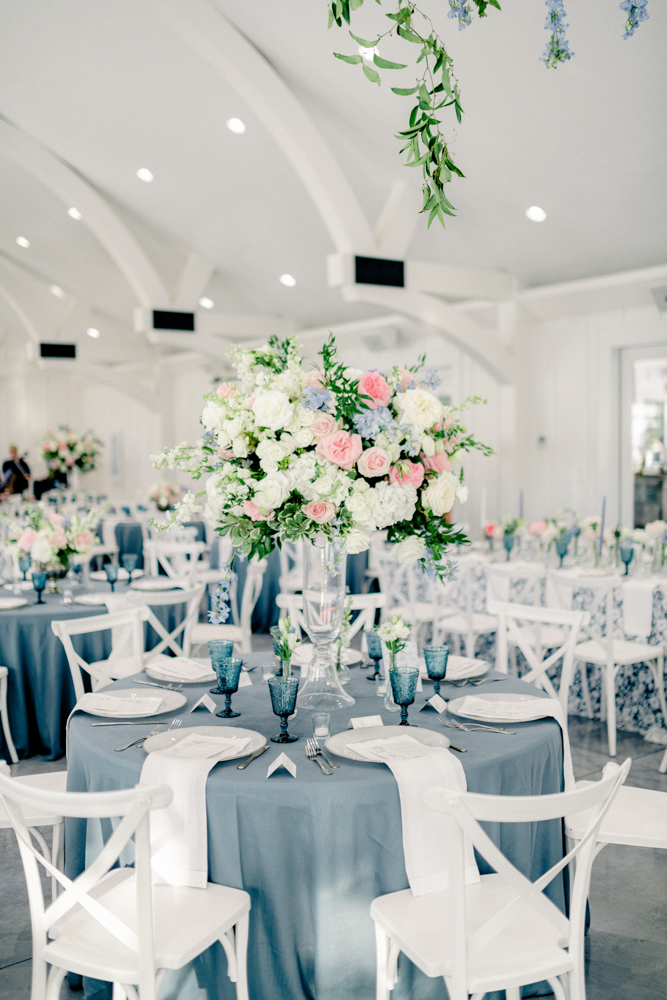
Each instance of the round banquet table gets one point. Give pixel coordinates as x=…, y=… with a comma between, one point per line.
x=40, y=690
x=313, y=852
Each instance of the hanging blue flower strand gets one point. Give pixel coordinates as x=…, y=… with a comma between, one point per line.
x=558, y=47
x=461, y=10
x=221, y=604
x=637, y=12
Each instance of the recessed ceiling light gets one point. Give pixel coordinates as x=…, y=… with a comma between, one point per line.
x=23, y=242
x=144, y=174
x=93, y=332
x=536, y=214
x=236, y=125
x=57, y=291
x=74, y=213
x=287, y=279
x=206, y=303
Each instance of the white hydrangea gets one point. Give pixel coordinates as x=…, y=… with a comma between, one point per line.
x=384, y=441
x=213, y=417
x=393, y=503
x=410, y=549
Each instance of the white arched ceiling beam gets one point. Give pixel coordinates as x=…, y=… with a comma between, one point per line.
x=248, y=72
x=67, y=185
x=486, y=348
x=398, y=220
x=192, y=282
x=92, y=374
x=19, y=312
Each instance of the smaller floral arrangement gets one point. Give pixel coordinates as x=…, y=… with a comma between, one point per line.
x=164, y=495
x=51, y=538
x=394, y=634
x=66, y=450
x=285, y=644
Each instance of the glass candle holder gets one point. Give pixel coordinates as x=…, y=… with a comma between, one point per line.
x=228, y=670
x=283, y=691
x=321, y=722
x=39, y=583
x=111, y=571
x=403, y=685
x=374, y=644
x=221, y=649
x=436, y=658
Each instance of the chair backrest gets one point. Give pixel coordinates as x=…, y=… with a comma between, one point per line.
x=516, y=582
x=168, y=640
x=365, y=604
x=132, y=806
x=464, y=811
x=178, y=559
x=128, y=640
x=597, y=593
x=404, y=585
x=254, y=582
x=511, y=618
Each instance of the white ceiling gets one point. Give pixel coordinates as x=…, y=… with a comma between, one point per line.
x=109, y=88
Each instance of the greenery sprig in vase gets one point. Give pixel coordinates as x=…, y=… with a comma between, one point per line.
x=286, y=645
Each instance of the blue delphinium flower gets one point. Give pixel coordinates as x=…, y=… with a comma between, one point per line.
x=209, y=439
x=461, y=10
x=316, y=399
x=371, y=422
x=221, y=604
x=637, y=12
x=430, y=378
x=558, y=47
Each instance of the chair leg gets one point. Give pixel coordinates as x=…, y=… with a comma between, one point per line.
x=5, y=719
x=54, y=982
x=57, y=855
x=382, y=961
x=513, y=663
x=610, y=697
x=585, y=690
x=513, y=993
x=241, y=958
x=663, y=763
x=38, y=988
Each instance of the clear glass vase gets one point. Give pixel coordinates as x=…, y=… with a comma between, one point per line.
x=323, y=605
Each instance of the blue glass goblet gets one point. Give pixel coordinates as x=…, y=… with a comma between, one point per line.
x=508, y=542
x=39, y=583
x=374, y=643
x=111, y=570
x=24, y=565
x=436, y=664
x=220, y=649
x=228, y=670
x=403, y=685
x=129, y=561
x=627, y=552
x=561, y=548
x=283, y=691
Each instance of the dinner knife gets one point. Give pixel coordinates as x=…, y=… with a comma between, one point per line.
x=252, y=756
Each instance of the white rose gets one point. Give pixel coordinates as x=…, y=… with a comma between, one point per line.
x=639, y=536
x=356, y=541
x=549, y=533
x=654, y=528
x=272, y=491
x=306, y=416
x=428, y=445
x=41, y=551
x=353, y=373
x=410, y=549
x=303, y=437
x=272, y=409
x=419, y=408
x=462, y=494
x=213, y=417
x=240, y=446
x=287, y=443
x=456, y=459
x=440, y=494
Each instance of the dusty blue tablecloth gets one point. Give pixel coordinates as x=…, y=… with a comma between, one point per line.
x=314, y=852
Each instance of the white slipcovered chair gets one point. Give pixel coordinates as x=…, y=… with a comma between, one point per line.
x=455, y=613
x=126, y=658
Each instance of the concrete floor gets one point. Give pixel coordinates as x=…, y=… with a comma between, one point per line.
x=627, y=944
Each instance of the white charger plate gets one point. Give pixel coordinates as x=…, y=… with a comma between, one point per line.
x=23, y=584
x=504, y=698
x=91, y=600
x=459, y=668
x=338, y=743
x=99, y=574
x=9, y=603
x=155, y=583
x=164, y=740
x=171, y=702
x=153, y=670
x=302, y=655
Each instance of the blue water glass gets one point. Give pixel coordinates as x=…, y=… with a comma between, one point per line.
x=436, y=664
x=111, y=570
x=627, y=552
x=228, y=669
x=220, y=649
x=403, y=685
x=24, y=565
x=283, y=691
x=561, y=547
x=374, y=643
x=39, y=583
x=129, y=561
x=508, y=542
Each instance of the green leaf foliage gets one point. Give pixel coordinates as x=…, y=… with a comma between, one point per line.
x=352, y=60
x=372, y=75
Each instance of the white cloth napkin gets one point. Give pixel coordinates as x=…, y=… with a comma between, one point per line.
x=111, y=705
x=183, y=668
x=179, y=833
x=458, y=667
x=638, y=607
x=417, y=769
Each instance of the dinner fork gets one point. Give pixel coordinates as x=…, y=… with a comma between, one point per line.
x=141, y=739
x=312, y=753
x=318, y=749
x=174, y=724
x=468, y=727
x=163, y=687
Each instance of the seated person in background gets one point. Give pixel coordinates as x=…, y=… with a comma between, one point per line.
x=15, y=472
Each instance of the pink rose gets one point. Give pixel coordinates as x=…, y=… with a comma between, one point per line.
x=320, y=511
x=62, y=446
x=247, y=403
x=58, y=540
x=56, y=519
x=323, y=424
x=226, y=452
x=374, y=385
x=47, y=446
x=226, y=390
x=536, y=527
x=69, y=460
x=406, y=378
x=407, y=473
x=84, y=539
x=374, y=462
x=254, y=513
x=341, y=448
x=26, y=539
x=438, y=462
x=489, y=529
x=315, y=379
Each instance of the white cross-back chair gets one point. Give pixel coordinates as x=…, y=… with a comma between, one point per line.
x=456, y=615
x=112, y=923
x=521, y=583
x=127, y=629
x=365, y=604
x=4, y=715
x=179, y=639
x=180, y=560
x=603, y=649
x=408, y=592
x=522, y=626
x=203, y=632
x=502, y=932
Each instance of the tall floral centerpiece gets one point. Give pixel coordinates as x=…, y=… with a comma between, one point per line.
x=328, y=456
x=163, y=495
x=72, y=453
x=51, y=540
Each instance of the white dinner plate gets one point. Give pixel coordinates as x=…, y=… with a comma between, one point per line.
x=23, y=584
x=504, y=698
x=99, y=574
x=91, y=600
x=167, y=739
x=171, y=702
x=155, y=583
x=302, y=655
x=338, y=744
x=459, y=668
x=9, y=603
x=153, y=670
